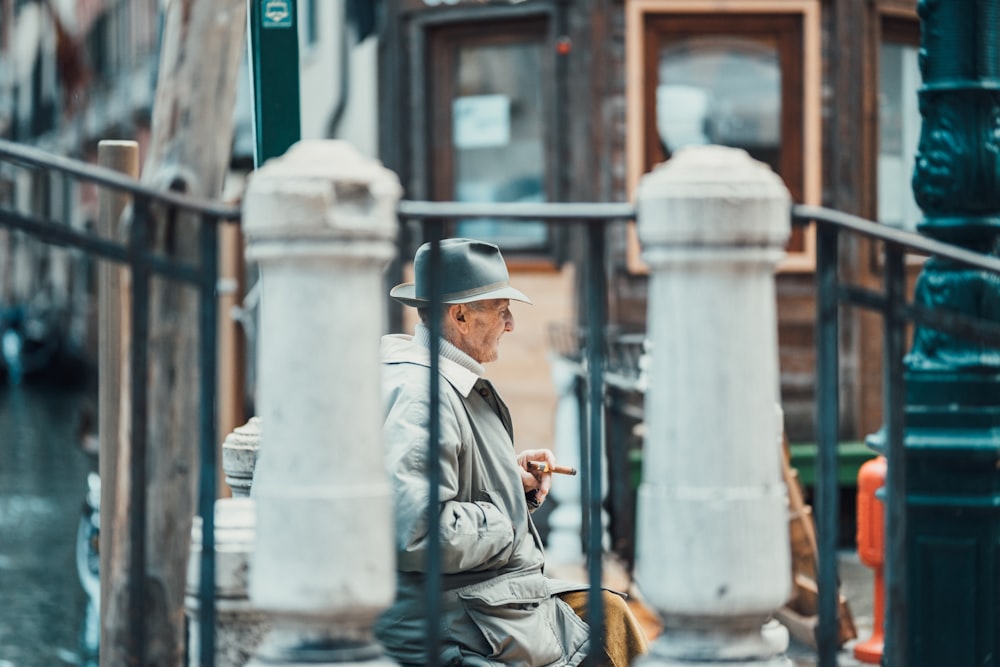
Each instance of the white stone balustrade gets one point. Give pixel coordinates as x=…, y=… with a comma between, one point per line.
x=239, y=457
x=239, y=628
x=713, y=553
x=321, y=223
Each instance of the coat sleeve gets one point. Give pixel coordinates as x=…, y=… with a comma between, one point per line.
x=475, y=535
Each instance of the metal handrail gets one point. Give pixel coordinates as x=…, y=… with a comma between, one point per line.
x=918, y=243
x=100, y=175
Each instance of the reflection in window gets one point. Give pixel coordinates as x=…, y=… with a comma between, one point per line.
x=899, y=133
x=498, y=135
x=721, y=90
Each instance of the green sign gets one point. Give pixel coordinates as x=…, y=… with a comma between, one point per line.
x=274, y=59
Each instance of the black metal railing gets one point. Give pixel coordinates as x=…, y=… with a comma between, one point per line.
x=897, y=312
x=144, y=264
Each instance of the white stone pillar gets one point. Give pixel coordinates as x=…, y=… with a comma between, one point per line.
x=321, y=223
x=712, y=540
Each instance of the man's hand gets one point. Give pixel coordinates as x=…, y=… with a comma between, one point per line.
x=534, y=480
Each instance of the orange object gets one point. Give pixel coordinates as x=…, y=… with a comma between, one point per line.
x=871, y=551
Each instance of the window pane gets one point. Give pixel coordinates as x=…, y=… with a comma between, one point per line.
x=498, y=134
x=721, y=90
x=899, y=132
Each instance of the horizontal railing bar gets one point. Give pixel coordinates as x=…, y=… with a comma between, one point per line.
x=972, y=329
x=909, y=240
x=950, y=322
x=863, y=297
x=551, y=211
x=68, y=237
x=115, y=180
x=180, y=271
x=63, y=235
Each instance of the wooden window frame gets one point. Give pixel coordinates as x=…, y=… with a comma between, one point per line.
x=638, y=15
x=442, y=52
x=457, y=25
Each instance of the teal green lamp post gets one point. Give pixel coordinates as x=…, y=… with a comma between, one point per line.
x=952, y=417
x=274, y=63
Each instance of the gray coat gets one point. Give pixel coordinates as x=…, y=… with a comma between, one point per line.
x=497, y=605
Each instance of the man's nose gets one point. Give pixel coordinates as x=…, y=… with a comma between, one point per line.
x=508, y=324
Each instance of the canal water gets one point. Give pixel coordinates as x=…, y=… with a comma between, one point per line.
x=43, y=479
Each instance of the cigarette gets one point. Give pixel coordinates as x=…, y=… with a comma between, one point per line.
x=542, y=466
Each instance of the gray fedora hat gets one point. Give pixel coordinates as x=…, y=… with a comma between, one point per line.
x=470, y=271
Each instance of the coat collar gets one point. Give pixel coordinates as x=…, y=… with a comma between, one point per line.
x=461, y=370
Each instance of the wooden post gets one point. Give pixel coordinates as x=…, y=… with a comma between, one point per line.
x=232, y=350
x=112, y=395
x=189, y=151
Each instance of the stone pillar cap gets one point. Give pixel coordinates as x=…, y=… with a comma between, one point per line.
x=321, y=189
x=713, y=195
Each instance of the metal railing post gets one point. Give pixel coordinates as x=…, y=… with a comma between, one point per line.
x=138, y=364
x=895, y=483
x=207, y=491
x=434, y=547
x=827, y=439
x=595, y=439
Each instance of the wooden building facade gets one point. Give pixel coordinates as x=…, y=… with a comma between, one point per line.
x=573, y=100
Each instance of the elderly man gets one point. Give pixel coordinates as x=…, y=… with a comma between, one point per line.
x=497, y=605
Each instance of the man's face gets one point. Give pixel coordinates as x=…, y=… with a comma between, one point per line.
x=483, y=324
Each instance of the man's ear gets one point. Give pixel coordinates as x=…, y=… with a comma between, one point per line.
x=456, y=313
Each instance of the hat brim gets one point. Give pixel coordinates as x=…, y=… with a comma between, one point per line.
x=406, y=295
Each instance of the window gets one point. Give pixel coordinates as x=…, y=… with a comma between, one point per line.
x=725, y=91
x=899, y=123
x=721, y=74
x=490, y=125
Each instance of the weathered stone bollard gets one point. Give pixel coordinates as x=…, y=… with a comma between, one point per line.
x=712, y=541
x=321, y=224
x=239, y=627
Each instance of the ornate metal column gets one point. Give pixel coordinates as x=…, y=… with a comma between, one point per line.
x=951, y=479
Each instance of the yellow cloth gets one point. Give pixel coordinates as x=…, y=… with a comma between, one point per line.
x=624, y=638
